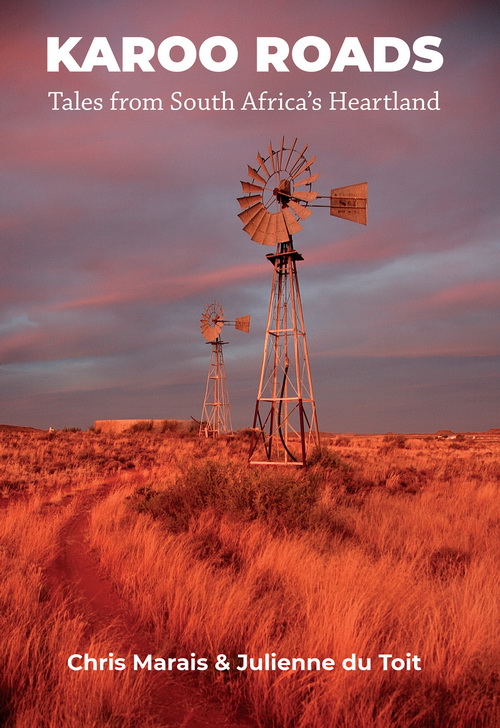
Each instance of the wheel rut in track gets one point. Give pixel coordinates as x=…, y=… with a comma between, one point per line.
x=174, y=702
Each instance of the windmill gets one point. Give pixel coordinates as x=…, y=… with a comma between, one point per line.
x=277, y=198
x=216, y=416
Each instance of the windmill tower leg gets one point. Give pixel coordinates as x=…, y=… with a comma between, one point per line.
x=285, y=424
x=216, y=416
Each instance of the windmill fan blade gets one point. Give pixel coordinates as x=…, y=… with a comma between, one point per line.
x=253, y=224
x=304, y=166
x=266, y=223
x=282, y=147
x=249, y=201
x=271, y=156
x=248, y=187
x=207, y=332
x=242, y=323
x=308, y=180
x=304, y=151
x=290, y=153
x=282, y=234
x=292, y=225
x=298, y=161
x=270, y=230
x=255, y=175
x=260, y=235
x=262, y=164
x=305, y=196
x=350, y=203
x=301, y=211
x=250, y=213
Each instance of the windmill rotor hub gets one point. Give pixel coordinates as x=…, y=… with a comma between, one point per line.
x=283, y=192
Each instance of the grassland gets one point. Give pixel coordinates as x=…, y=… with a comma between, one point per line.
x=384, y=545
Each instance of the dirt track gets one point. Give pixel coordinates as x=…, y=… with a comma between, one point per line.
x=174, y=702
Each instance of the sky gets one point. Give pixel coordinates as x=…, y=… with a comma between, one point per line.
x=119, y=227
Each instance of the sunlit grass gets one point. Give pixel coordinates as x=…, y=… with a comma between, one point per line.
x=384, y=546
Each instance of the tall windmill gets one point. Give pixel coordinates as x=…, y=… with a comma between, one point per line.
x=216, y=416
x=278, y=196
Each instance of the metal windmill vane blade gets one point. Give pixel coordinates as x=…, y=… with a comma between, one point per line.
x=299, y=163
x=305, y=196
x=259, y=235
x=262, y=163
x=255, y=175
x=247, y=215
x=282, y=148
x=307, y=164
x=250, y=213
x=209, y=332
x=271, y=156
x=272, y=227
x=292, y=148
x=308, y=180
x=292, y=225
x=254, y=221
x=301, y=211
x=249, y=188
x=249, y=201
x=282, y=232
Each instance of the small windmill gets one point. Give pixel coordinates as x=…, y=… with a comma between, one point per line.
x=216, y=416
x=275, y=200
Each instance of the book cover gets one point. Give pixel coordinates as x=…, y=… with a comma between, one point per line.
x=153, y=155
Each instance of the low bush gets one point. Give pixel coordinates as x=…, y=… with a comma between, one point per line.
x=282, y=498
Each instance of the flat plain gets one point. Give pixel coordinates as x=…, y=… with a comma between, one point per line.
x=171, y=545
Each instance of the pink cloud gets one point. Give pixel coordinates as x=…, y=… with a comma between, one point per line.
x=145, y=285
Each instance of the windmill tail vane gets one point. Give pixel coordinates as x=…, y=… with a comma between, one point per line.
x=242, y=324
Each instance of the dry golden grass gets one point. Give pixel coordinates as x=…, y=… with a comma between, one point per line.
x=39, y=626
x=385, y=545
